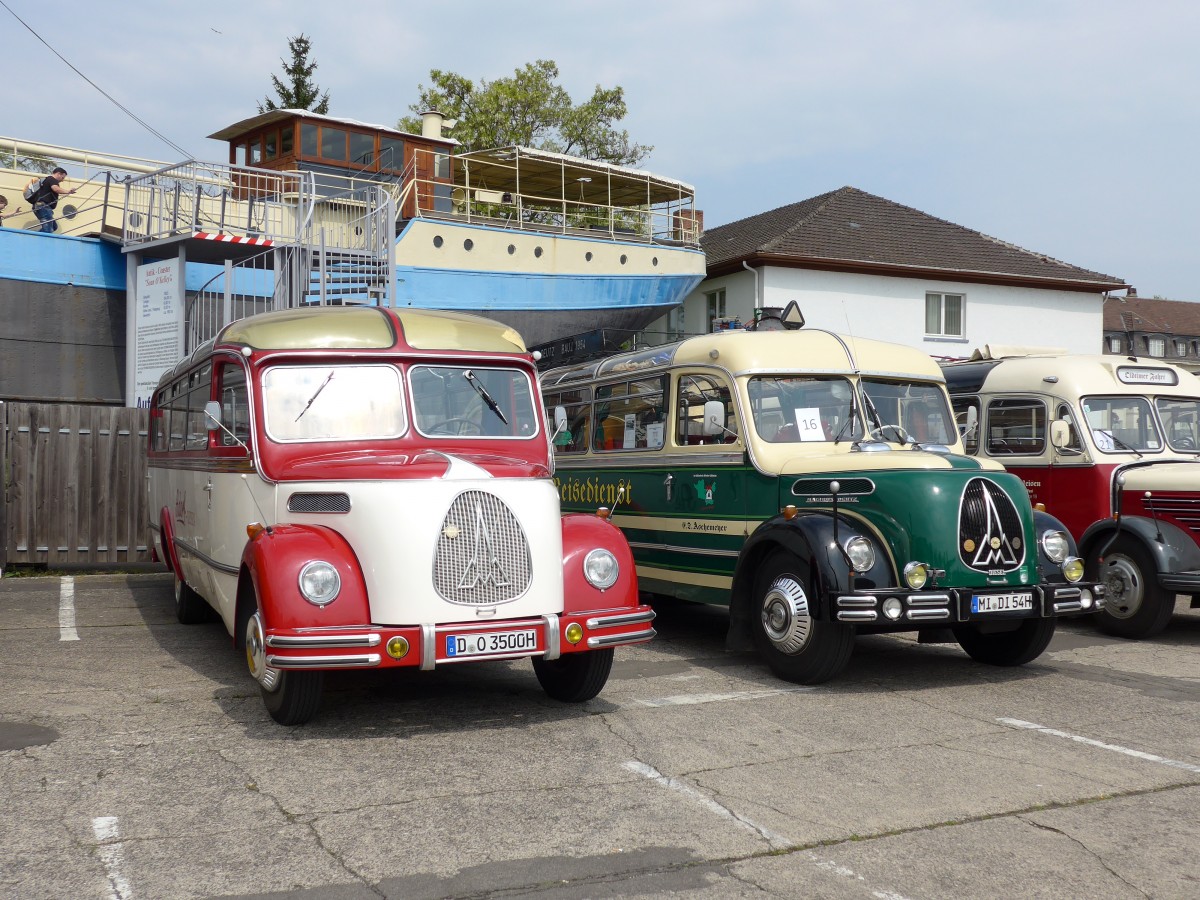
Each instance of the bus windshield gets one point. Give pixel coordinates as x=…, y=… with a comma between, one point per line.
x=918, y=407
x=333, y=403
x=794, y=408
x=462, y=401
x=1121, y=424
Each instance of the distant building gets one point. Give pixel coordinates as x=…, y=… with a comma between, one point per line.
x=1145, y=326
x=863, y=265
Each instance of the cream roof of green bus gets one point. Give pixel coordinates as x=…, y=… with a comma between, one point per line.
x=370, y=328
x=805, y=350
x=1083, y=375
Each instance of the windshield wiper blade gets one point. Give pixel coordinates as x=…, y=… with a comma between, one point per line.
x=482, y=391
x=1120, y=443
x=849, y=420
x=328, y=379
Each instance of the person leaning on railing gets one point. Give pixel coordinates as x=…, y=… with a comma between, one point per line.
x=3, y=207
x=46, y=198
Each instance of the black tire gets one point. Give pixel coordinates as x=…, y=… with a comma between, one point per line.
x=190, y=607
x=1007, y=648
x=796, y=647
x=292, y=697
x=575, y=677
x=1135, y=605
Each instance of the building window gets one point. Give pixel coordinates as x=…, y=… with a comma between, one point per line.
x=1181, y=348
x=944, y=314
x=1156, y=346
x=715, y=300
x=1114, y=345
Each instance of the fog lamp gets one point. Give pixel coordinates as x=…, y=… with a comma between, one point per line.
x=860, y=552
x=1073, y=568
x=573, y=633
x=397, y=647
x=892, y=607
x=1085, y=598
x=916, y=575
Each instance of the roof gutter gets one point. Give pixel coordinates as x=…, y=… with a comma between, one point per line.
x=753, y=271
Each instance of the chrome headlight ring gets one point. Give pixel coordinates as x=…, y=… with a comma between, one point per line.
x=319, y=582
x=1056, y=545
x=860, y=552
x=601, y=569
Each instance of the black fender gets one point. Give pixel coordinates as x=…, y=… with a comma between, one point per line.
x=1048, y=569
x=810, y=538
x=1175, y=552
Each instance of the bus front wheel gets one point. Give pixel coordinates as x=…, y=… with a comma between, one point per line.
x=1135, y=606
x=575, y=677
x=291, y=697
x=797, y=647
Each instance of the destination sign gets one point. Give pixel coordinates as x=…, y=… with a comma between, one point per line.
x=1146, y=375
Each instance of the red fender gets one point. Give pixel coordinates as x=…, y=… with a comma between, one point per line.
x=166, y=534
x=274, y=559
x=582, y=533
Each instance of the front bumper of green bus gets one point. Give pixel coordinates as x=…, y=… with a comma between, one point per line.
x=957, y=606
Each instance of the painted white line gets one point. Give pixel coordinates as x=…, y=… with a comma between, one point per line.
x=777, y=841
x=841, y=871
x=691, y=699
x=1137, y=754
x=66, y=610
x=109, y=837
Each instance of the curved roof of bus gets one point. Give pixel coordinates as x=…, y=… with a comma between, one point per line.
x=806, y=350
x=1079, y=375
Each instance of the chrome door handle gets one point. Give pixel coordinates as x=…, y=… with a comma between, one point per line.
x=667, y=482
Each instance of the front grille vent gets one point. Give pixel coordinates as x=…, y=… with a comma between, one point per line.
x=819, y=487
x=482, y=556
x=990, y=532
x=1184, y=510
x=319, y=503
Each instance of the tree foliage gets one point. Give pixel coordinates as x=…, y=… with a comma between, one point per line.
x=296, y=89
x=529, y=109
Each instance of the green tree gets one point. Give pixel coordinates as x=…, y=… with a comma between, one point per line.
x=296, y=89
x=529, y=109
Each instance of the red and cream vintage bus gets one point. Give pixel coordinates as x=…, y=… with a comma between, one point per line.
x=363, y=488
x=1111, y=446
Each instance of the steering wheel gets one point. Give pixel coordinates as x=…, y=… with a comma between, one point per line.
x=882, y=432
x=456, y=427
x=1185, y=443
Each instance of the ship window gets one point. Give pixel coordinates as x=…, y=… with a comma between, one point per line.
x=255, y=153
x=362, y=149
x=441, y=165
x=285, y=141
x=308, y=139
x=239, y=155
x=391, y=153
x=333, y=143
x=270, y=145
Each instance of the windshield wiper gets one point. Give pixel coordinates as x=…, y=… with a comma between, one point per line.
x=1120, y=443
x=482, y=391
x=849, y=419
x=328, y=379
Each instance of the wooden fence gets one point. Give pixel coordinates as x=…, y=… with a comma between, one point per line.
x=74, y=481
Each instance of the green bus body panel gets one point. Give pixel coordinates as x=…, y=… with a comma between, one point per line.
x=713, y=509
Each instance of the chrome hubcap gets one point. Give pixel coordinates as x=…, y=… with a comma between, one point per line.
x=256, y=655
x=785, y=618
x=1123, y=583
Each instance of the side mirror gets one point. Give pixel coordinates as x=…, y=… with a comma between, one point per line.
x=968, y=430
x=714, y=418
x=212, y=415
x=560, y=419
x=1060, y=434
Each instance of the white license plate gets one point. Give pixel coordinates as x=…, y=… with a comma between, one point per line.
x=490, y=643
x=987, y=603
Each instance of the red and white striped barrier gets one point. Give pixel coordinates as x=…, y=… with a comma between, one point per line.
x=233, y=239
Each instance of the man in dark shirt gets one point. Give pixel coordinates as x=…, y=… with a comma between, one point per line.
x=46, y=199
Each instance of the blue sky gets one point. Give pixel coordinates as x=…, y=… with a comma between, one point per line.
x=1068, y=127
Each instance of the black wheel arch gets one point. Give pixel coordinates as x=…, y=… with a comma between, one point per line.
x=1177, y=550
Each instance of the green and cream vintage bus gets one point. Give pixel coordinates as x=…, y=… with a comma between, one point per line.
x=816, y=484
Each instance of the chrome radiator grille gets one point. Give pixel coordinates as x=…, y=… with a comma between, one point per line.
x=990, y=532
x=482, y=554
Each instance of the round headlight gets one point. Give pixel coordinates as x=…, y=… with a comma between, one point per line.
x=861, y=553
x=600, y=569
x=1056, y=544
x=320, y=583
x=1073, y=568
x=916, y=575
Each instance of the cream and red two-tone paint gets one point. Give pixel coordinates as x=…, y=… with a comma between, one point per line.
x=1111, y=446
x=359, y=488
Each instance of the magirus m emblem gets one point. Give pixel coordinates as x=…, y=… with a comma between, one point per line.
x=484, y=565
x=482, y=556
x=990, y=532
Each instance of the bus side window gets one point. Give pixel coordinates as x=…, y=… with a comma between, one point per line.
x=177, y=427
x=693, y=392
x=160, y=420
x=1016, y=426
x=631, y=416
x=235, y=406
x=578, y=407
x=199, y=393
x=1073, y=442
x=968, y=430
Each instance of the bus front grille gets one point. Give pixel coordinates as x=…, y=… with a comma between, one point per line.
x=482, y=556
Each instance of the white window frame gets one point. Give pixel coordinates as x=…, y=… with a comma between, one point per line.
x=1181, y=348
x=714, y=307
x=1114, y=344
x=1156, y=346
x=939, y=297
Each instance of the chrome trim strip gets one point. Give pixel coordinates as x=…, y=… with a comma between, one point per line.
x=923, y=614
x=364, y=661
x=600, y=459
x=1068, y=606
x=1068, y=593
x=328, y=640
x=428, y=648
x=698, y=551
x=613, y=640
x=622, y=619
x=857, y=602
x=857, y=615
x=929, y=600
x=553, y=648
x=204, y=558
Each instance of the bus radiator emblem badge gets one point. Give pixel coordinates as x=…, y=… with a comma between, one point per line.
x=989, y=529
x=484, y=566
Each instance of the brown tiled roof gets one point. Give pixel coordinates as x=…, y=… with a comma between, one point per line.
x=1152, y=314
x=850, y=229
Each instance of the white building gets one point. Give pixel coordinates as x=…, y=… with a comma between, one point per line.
x=863, y=265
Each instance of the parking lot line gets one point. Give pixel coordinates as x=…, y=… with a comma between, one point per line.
x=1137, y=754
x=691, y=699
x=66, y=610
x=109, y=836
